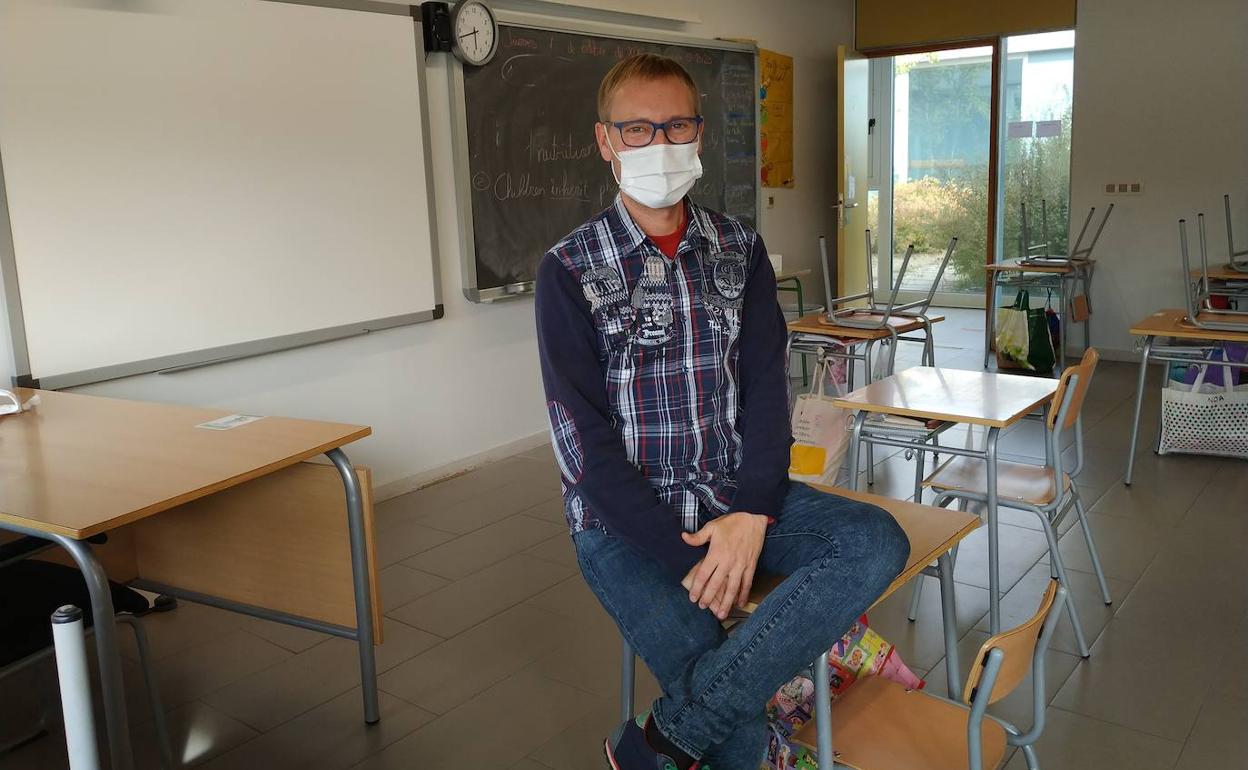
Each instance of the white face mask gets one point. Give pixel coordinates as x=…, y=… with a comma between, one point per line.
x=657, y=176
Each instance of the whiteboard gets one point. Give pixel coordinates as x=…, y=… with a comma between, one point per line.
x=196, y=180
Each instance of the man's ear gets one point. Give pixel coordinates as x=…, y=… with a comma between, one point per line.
x=600, y=135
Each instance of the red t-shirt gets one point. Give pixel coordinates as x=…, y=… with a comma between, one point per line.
x=670, y=242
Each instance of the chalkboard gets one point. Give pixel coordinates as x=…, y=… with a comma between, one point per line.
x=533, y=168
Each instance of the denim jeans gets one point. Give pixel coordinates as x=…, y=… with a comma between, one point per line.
x=839, y=556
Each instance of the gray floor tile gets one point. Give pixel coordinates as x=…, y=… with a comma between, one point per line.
x=1074, y=742
x=1219, y=735
x=486, y=546
x=451, y=673
x=329, y=737
x=401, y=584
x=465, y=603
x=558, y=549
x=399, y=539
x=210, y=666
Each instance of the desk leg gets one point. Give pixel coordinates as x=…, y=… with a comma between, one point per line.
x=1139, y=402
x=823, y=713
x=949, y=617
x=990, y=318
x=359, y=576
x=855, y=446
x=111, y=685
x=994, y=567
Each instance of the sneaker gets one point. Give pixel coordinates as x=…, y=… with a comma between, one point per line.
x=628, y=749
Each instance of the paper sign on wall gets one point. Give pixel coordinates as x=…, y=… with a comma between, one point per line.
x=1019, y=129
x=1048, y=128
x=775, y=102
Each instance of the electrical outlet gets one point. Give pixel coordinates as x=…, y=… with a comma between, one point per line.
x=771, y=201
x=1137, y=188
x=1123, y=187
x=1110, y=187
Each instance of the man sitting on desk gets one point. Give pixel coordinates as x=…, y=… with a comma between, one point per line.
x=662, y=350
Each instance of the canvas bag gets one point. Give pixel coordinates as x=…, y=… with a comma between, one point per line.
x=1205, y=419
x=1023, y=337
x=820, y=429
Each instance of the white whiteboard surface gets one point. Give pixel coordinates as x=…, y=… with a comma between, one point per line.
x=186, y=179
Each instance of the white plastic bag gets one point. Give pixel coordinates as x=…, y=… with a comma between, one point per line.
x=820, y=430
x=1204, y=419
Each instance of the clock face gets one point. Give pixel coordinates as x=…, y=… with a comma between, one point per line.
x=476, y=34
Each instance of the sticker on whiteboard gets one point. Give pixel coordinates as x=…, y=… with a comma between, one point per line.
x=229, y=422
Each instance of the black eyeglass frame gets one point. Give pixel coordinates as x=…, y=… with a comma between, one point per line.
x=657, y=127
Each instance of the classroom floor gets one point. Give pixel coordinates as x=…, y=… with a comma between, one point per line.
x=497, y=655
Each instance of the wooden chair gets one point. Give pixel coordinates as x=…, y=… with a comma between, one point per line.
x=880, y=725
x=1046, y=490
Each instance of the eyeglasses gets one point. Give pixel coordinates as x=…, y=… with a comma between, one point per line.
x=640, y=133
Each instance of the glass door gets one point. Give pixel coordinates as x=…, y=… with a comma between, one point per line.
x=1035, y=145
x=932, y=142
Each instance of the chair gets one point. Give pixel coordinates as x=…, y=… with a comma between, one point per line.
x=29, y=592
x=1201, y=310
x=1046, y=490
x=1235, y=263
x=880, y=725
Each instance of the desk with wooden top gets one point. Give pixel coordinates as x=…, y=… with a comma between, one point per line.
x=243, y=524
x=814, y=334
x=1062, y=277
x=1173, y=324
x=1225, y=272
x=990, y=399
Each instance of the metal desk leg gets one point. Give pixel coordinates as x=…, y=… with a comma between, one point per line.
x=111, y=685
x=855, y=446
x=359, y=577
x=628, y=679
x=823, y=714
x=1139, y=402
x=991, y=319
x=949, y=617
x=994, y=567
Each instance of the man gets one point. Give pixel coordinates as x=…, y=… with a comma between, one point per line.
x=662, y=349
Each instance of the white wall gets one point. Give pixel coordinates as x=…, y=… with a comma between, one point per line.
x=441, y=395
x=1161, y=97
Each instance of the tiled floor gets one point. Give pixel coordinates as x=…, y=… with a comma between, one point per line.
x=497, y=656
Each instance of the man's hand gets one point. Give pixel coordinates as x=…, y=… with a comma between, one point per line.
x=725, y=574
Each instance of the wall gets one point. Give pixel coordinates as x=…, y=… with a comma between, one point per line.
x=1159, y=99
x=447, y=394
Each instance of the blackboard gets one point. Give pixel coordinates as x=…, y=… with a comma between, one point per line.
x=533, y=169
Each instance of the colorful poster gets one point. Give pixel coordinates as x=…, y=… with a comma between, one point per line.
x=775, y=97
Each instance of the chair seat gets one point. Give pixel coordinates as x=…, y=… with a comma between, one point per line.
x=879, y=725
x=1015, y=481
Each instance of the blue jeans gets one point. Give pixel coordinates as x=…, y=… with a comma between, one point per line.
x=839, y=556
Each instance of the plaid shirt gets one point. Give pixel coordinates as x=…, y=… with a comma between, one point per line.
x=665, y=378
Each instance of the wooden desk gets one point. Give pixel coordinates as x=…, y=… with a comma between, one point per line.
x=1223, y=273
x=77, y=466
x=1174, y=324
x=991, y=399
x=817, y=323
x=844, y=341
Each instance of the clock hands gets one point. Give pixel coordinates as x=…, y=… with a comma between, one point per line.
x=469, y=34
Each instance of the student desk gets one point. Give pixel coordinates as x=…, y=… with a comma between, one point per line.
x=80, y=466
x=1061, y=277
x=1173, y=324
x=812, y=334
x=991, y=399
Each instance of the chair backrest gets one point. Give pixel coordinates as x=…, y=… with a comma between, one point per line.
x=1084, y=370
x=1018, y=646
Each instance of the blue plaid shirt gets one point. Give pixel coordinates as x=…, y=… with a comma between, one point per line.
x=665, y=379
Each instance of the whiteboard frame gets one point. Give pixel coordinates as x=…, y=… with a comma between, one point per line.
x=459, y=133
x=194, y=359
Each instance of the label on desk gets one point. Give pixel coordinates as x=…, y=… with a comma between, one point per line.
x=229, y=422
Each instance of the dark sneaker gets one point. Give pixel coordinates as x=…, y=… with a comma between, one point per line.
x=628, y=749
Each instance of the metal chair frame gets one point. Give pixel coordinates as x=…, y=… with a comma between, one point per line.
x=1234, y=262
x=149, y=682
x=1199, y=292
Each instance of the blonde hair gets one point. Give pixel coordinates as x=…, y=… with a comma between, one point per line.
x=643, y=66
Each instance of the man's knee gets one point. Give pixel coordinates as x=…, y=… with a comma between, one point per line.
x=886, y=542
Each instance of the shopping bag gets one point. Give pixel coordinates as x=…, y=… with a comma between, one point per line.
x=860, y=652
x=1023, y=337
x=820, y=429
x=1228, y=351
x=1200, y=418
